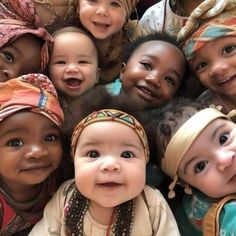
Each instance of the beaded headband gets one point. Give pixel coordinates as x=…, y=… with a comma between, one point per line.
x=111, y=115
x=182, y=141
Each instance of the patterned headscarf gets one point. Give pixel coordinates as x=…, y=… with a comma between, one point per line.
x=32, y=91
x=182, y=140
x=111, y=115
x=212, y=19
x=18, y=17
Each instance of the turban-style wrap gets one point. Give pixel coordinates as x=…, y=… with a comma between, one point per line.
x=211, y=20
x=18, y=17
x=115, y=116
x=34, y=92
x=182, y=141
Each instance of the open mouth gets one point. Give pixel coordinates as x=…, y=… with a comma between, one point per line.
x=73, y=83
x=101, y=25
x=110, y=184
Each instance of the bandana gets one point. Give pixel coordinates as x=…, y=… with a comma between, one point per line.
x=184, y=138
x=111, y=115
x=211, y=20
x=34, y=92
x=18, y=18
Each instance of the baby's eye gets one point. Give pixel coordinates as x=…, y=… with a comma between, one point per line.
x=200, y=166
x=170, y=80
x=60, y=62
x=127, y=154
x=14, y=143
x=93, y=154
x=9, y=57
x=83, y=62
x=228, y=49
x=115, y=4
x=200, y=66
x=51, y=138
x=146, y=65
x=223, y=138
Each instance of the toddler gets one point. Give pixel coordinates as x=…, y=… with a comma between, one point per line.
x=73, y=66
x=152, y=71
x=109, y=23
x=108, y=195
x=197, y=150
x=23, y=41
x=30, y=150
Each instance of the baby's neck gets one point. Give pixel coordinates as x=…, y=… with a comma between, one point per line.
x=228, y=103
x=23, y=193
x=101, y=215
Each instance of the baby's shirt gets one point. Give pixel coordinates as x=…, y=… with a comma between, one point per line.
x=152, y=216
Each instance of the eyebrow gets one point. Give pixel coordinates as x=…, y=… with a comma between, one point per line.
x=171, y=69
x=211, y=138
x=216, y=130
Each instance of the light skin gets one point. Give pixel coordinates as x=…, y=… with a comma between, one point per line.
x=215, y=67
x=17, y=58
x=73, y=66
x=210, y=163
x=30, y=150
x=109, y=170
x=102, y=18
x=153, y=73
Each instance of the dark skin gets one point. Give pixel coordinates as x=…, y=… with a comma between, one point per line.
x=190, y=5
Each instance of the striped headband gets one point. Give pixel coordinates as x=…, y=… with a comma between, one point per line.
x=111, y=115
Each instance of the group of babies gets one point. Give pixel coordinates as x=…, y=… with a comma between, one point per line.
x=97, y=45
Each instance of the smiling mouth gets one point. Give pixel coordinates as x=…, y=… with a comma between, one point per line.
x=146, y=93
x=73, y=82
x=101, y=25
x=227, y=79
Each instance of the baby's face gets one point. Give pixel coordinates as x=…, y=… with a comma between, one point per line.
x=215, y=66
x=109, y=169
x=22, y=56
x=153, y=73
x=102, y=18
x=210, y=163
x=73, y=66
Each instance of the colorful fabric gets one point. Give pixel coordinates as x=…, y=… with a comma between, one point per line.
x=182, y=141
x=114, y=88
x=15, y=220
x=111, y=115
x=210, y=20
x=18, y=18
x=32, y=91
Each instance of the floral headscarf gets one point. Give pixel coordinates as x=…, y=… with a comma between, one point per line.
x=18, y=17
x=212, y=19
x=111, y=115
x=34, y=92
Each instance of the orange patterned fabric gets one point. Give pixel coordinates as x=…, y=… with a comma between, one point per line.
x=33, y=91
x=18, y=17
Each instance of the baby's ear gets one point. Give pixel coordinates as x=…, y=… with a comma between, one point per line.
x=122, y=70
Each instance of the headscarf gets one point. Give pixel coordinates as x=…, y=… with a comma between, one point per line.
x=18, y=18
x=183, y=139
x=34, y=92
x=211, y=20
x=111, y=115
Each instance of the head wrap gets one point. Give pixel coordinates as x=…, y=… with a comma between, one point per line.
x=111, y=115
x=183, y=139
x=129, y=6
x=211, y=20
x=32, y=91
x=18, y=18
